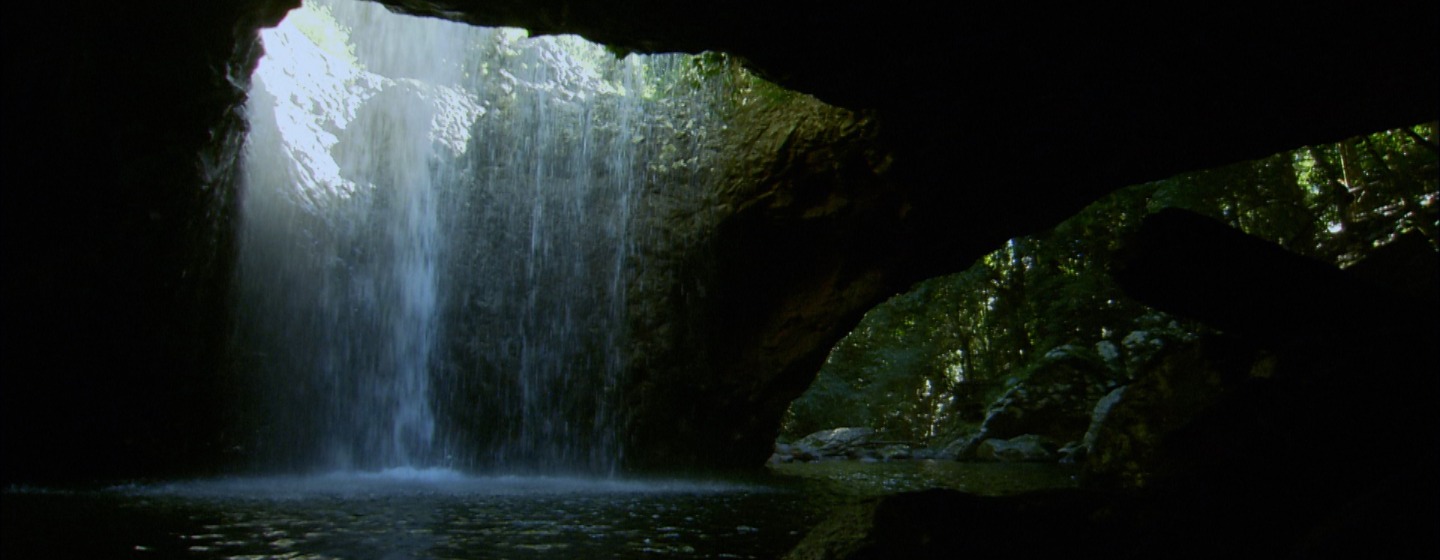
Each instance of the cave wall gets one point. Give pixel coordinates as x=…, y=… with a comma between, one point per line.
x=740, y=301
x=120, y=125
x=121, y=130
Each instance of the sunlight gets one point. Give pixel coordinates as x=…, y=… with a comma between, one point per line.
x=315, y=85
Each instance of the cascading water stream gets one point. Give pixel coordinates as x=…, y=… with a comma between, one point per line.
x=435, y=239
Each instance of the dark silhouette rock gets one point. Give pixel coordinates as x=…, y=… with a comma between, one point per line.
x=1331, y=358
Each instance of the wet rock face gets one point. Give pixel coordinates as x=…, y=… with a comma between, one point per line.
x=740, y=302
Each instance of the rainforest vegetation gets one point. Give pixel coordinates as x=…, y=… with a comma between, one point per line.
x=924, y=366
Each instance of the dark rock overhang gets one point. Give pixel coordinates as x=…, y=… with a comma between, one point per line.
x=991, y=105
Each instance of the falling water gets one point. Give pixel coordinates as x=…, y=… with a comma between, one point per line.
x=436, y=232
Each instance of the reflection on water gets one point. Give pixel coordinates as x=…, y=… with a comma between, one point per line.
x=445, y=514
x=407, y=481
x=848, y=480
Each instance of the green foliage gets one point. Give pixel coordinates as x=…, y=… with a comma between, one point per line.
x=319, y=25
x=923, y=366
x=734, y=85
x=1334, y=202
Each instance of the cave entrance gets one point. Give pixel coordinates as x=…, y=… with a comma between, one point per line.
x=1031, y=339
x=438, y=238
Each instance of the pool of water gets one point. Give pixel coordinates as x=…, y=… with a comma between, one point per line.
x=446, y=514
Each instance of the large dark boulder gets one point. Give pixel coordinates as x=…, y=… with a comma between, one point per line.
x=1330, y=415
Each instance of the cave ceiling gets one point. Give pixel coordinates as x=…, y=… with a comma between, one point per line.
x=992, y=107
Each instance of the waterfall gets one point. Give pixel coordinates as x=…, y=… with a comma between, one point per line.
x=437, y=233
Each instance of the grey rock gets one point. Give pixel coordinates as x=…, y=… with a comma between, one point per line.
x=1026, y=448
x=837, y=442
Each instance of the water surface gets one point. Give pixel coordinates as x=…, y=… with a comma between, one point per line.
x=436, y=513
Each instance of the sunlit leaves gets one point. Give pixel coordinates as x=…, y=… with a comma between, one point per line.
x=318, y=24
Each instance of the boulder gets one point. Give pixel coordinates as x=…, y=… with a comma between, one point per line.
x=1072, y=453
x=784, y=453
x=895, y=452
x=1143, y=346
x=1054, y=401
x=1079, y=451
x=1026, y=448
x=1128, y=424
x=837, y=442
